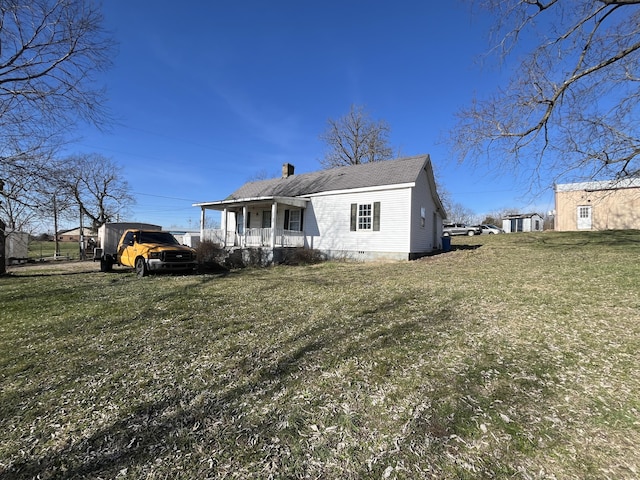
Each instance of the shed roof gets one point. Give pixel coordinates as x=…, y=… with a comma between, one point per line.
x=633, y=182
x=522, y=215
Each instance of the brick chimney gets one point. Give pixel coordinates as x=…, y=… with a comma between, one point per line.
x=287, y=170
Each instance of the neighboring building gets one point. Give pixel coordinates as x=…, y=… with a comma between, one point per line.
x=190, y=239
x=73, y=235
x=528, y=222
x=606, y=205
x=388, y=209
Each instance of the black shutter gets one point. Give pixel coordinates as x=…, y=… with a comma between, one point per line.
x=301, y=219
x=376, y=216
x=248, y=225
x=354, y=216
x=286, y=219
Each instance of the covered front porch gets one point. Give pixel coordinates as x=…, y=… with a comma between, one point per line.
x=264, y=222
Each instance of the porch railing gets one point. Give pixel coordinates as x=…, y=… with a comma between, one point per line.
x=255, y=237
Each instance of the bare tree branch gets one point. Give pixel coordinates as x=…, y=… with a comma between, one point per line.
x=581, y=76
x=50, y=54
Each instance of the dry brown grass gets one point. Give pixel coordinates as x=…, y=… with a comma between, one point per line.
x=517, y=359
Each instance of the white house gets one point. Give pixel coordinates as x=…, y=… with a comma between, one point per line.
x=387, y=209
x=527, y=222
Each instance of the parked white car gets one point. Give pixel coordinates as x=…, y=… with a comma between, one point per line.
x=490, y=229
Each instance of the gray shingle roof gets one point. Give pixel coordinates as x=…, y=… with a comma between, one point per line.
x=389, y=172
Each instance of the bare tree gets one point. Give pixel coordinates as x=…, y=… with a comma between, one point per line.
x=571, y=108
x=50, y=53
x=14, y=210
x=28, y=189
x=495, y=217
x=355, y=138
x=458, y=213
x=98, y=187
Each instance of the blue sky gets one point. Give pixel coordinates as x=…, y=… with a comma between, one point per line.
x=208, y=95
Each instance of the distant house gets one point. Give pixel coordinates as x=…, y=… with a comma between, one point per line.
x=527, y=222
x=73, y=235
x=387, y=209
x=598, y=205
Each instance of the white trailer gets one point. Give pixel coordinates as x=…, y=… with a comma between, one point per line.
x=108, y=237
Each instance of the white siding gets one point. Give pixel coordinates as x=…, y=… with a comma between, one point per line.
x=328, y=217
x=109, y=234
x=424, y=238
x=17, y=245
x=528, y=224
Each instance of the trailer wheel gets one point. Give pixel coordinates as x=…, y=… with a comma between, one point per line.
x=141, y=267
x=105, y=265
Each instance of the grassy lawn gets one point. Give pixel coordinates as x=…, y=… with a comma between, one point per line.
x=513, y=356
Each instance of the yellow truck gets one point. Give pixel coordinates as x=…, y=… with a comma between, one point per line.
x=144, y=247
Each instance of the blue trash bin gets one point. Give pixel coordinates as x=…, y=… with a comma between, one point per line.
x=446, y=244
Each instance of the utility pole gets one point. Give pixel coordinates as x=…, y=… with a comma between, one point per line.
x=55, y=227
x=81, y=237
x=3, y=261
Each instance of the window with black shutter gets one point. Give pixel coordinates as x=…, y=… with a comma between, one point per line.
x=365, y=216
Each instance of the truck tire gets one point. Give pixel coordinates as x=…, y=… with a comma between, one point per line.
x=141, y=267
x=471, y=233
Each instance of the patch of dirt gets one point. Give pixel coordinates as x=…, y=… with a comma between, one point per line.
x=54, y=266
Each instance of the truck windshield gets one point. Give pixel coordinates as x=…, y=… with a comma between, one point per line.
x=164, y=238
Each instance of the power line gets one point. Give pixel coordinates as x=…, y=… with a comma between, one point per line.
x=168, y=198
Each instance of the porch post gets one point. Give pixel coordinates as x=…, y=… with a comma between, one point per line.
x=224, y=222
x=244, y=226
x=274, y=222
x=202, y=221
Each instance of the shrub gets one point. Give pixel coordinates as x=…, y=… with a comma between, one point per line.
x=211, y=256
x=302, y=256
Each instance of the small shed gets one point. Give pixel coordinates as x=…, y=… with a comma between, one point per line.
x=17, y=247
x=525, y=222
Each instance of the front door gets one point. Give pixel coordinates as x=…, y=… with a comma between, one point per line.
x=517, y=225
x=127, y=250
x=584, y=217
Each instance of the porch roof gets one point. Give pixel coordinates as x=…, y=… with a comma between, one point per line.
x=242, y=202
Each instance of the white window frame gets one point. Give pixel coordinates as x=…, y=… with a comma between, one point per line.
x=365, y=216
x=294, y=223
